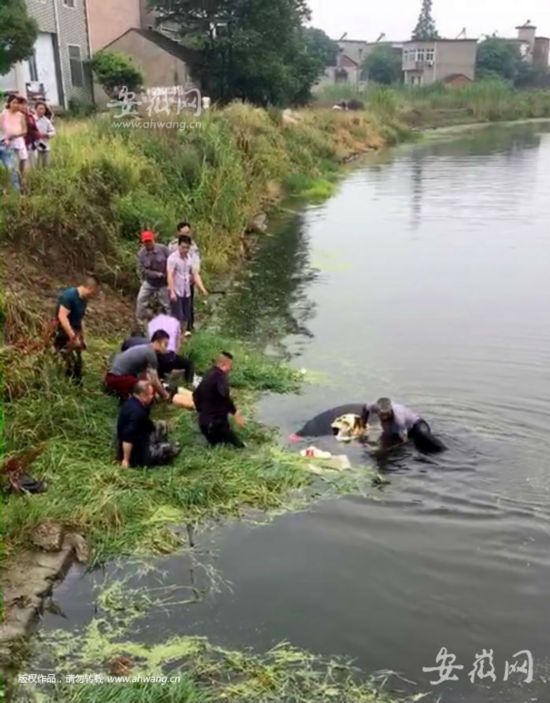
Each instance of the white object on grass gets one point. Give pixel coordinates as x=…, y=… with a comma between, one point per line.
x=314, y=453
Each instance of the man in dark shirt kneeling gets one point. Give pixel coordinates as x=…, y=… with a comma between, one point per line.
x=140, y=441
x=214, y=404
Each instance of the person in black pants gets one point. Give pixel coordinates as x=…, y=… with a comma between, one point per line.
x=69, y=337
x=168, y=361
x=213, y=402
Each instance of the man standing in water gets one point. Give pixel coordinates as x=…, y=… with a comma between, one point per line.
x=69, y=338
x=399, y=424
x=214, y=404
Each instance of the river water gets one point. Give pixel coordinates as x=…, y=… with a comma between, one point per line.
x=426, y=278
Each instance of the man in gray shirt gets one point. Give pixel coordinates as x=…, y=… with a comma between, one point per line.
x=137, y=363
x=152, y=258
x=399, y=424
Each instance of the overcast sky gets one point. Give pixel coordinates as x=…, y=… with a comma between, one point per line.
x=366, y=19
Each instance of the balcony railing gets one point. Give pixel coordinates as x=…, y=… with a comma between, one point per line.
x=413, y=65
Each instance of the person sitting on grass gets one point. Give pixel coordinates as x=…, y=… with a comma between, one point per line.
x=140, y=441
x=138, y=363
x=213, y=402
x=69, y=340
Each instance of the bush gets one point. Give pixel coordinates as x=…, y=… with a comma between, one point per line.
x=116, y=72
x=80, y=108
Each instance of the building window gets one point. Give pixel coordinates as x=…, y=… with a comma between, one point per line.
x=77, y=69
x=420, y=55
x=33, y=68
x=70, y=3
x=430, y=55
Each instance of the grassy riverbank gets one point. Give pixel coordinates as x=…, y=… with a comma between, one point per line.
x=106, y=184
x=438, y=105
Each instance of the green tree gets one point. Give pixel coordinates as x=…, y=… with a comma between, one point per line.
x=425, y=29
x=320, y=45
x=383, y=65
x=257, y=50
x=18, y=34
x=499, y=57
x=114, y=71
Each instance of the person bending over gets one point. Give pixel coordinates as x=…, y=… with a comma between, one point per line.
x=400, y=424
x=213, y=402
x=138, y=363
x=69, y=340
x=140, y=441
x=171, y=360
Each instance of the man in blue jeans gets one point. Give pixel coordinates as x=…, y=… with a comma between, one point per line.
x=7, y=159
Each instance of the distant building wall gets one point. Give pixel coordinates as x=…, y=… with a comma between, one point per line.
x=44, y=14
x=61, y=53
x=541, y=54
x=455, y=57
x=74, y=49
x=159, y=67
x=526, y=34
x=109, y=19
x=426, y=62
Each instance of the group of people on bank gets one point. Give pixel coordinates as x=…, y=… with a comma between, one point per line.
x=150, y=365
x=25, y=136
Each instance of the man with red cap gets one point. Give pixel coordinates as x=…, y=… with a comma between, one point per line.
x=152, y=258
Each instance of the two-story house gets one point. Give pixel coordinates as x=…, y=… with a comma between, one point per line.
x=128, y=27
x=58, y=69
x=427, y=62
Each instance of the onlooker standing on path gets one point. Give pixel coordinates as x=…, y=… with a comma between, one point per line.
x=152, y=259
x=13, y=129
x=182, y=274
x=141, y=442
x=214, y=404
x=26, y=158
x=69, y=338
x=46, y=131
x=194, y=253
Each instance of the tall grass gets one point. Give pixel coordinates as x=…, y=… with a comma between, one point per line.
x=107, y=182
x=487, y=100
